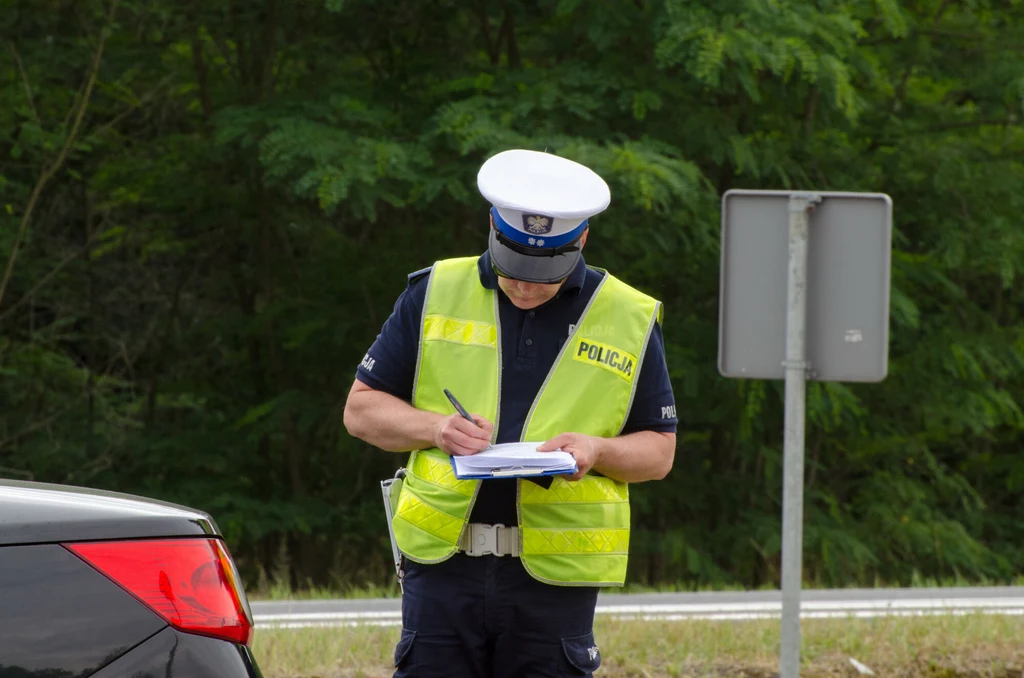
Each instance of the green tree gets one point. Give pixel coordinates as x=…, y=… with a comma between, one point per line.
x=209, y=208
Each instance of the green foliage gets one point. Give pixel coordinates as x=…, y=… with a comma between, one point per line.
x=250, y=183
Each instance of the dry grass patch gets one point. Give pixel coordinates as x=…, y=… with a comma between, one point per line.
x=974, y=646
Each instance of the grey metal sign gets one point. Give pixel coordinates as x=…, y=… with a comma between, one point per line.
x=804, y=295
x=848, y=264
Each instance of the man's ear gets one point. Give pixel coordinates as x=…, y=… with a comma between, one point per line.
x=491, y=217
x=583, y=238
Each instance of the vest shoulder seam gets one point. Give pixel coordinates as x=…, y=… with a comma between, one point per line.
x=416, y=275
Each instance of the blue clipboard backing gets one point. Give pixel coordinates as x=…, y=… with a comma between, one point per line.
x=526, y=476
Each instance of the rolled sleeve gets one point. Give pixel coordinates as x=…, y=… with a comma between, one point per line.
x=654, y=405
x=390, y=363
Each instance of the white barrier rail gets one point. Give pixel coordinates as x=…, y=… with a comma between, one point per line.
x=291, y=615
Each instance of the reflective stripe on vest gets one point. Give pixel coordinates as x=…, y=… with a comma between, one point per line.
x=574, y=533
x=458, y=350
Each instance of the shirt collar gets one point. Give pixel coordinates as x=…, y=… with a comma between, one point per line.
x=574, y=283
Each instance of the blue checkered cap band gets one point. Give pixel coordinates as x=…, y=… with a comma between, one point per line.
x=537, y=230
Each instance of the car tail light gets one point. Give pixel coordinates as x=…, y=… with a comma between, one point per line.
x=192, y=583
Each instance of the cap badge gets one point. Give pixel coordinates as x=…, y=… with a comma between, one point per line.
x=537, y=224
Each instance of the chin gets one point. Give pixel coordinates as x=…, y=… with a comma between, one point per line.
x=525, y=305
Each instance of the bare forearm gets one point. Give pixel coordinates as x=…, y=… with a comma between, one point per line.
x=636, y=457
x=388, y=422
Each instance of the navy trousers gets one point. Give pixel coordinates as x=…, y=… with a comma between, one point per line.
x=485, y=617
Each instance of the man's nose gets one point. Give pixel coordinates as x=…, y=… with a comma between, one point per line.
x=528, y=288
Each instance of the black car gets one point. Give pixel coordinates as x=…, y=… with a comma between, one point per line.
x=106, y=585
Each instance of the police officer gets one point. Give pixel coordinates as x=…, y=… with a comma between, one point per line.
x=502, y=575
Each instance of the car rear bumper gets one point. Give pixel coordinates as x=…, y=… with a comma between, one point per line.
x=173, y=654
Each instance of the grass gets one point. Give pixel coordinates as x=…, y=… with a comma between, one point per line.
x=280, y=591
x=933, y=647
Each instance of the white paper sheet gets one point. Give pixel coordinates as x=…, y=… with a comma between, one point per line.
x=513, y=459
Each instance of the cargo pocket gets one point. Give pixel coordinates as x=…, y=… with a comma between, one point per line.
x=582, y=654
x=404, y=647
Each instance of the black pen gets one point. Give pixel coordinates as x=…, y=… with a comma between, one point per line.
x=461, y=410
x=458, y=406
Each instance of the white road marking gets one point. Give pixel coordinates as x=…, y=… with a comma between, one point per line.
x=813, y=609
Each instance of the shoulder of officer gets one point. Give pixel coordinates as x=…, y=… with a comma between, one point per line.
x=416, y=275
x=649, y=300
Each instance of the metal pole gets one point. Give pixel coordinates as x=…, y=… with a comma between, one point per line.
x=793, y=471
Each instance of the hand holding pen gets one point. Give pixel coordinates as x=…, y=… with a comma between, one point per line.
x=462, y=433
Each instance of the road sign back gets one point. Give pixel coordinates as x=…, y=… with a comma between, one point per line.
x=848, y=269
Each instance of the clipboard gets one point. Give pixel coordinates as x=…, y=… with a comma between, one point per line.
x=513, y=472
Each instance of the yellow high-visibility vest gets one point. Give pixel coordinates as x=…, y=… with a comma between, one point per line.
x=573, y=533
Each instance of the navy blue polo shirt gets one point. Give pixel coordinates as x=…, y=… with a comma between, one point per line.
x=530, y=343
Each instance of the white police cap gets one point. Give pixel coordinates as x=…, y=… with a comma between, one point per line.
x=541, y=206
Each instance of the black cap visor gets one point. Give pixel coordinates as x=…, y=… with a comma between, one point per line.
x=532, y=264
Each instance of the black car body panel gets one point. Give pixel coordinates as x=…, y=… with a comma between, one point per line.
x=172, y=654
x=60, y=617
x=35, y=513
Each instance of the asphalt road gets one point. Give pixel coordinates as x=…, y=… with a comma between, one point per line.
x=679, y=606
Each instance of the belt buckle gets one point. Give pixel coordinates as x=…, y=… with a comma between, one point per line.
x=483, y=540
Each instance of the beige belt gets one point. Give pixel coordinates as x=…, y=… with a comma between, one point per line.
x=481, y=540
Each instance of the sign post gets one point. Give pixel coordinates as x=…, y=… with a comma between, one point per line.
x=835, y=306
x=793, y=445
